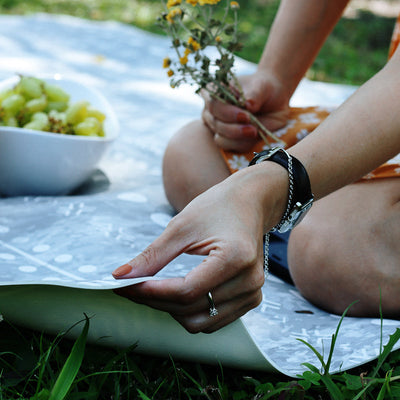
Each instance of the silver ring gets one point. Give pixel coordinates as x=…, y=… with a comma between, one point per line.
x=213, y=311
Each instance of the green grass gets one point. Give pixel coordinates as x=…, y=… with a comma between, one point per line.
x=42, y=367
x=354, y=52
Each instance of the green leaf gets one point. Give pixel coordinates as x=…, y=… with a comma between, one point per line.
x=333, y=389
x=334, y=338
x=353, y=382
x=395, y=391
x=305, y=384
x=71, y=367
x=316, y=352
x=382, y=392
x=42, y=395
x=313, y=377
x=309, y=378
x=142, y=395
x=386, y=350
x=311, y=367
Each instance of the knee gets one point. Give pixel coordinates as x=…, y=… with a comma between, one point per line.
x=177, y=168
x=305, y=259
x=191, y=164
x=332, y=275
x=173, y=173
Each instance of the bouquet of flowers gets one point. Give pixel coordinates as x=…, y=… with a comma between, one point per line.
x=193, y=27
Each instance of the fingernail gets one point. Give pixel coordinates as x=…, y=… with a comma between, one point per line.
x=122, y=271
x=250, y=104
x=249, y=131
x=242, y=117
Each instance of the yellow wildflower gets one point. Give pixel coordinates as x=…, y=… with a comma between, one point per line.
x=234, y=4
x=218, y=39
x=183, y=60
x=192, y=2
x=173, y=3
x=194, y=44
x=173, y=14
x=187, y=51
x=170, y=72
x=166, y=62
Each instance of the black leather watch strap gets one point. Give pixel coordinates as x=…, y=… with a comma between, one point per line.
x=302, y=197
x=302, y=186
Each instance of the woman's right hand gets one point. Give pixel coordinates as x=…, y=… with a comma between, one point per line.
x=266, y=99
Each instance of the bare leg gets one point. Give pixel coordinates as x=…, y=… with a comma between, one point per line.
x=347, y=249
x=192, y=164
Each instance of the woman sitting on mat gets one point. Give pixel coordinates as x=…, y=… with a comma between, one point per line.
x=345, y=249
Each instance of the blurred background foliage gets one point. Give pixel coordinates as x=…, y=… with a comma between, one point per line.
x=356, y=49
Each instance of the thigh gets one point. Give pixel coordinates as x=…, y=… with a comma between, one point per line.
x=347, y=249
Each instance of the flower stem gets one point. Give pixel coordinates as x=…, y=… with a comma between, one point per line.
x=262, y=130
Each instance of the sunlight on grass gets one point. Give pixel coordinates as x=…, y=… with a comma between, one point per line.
x=361, y=44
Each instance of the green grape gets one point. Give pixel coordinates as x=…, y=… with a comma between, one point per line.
x=30, y=87
x=13, y=103
x=89, y=127
x=39, y=122
x=76, y=112
x=57, y=115
x=5, y=94
x=35, y=125
x=57, y=105
x=55, y=93
x=36, y=105
x=93, y=112
x=40, y=116
x=10, y=121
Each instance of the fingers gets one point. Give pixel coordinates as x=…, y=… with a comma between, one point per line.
x=156, y=256
x=235, y=145
x=231, y=136
x=194, y=312
x=227, y=313
x=186, y=298
x=232, y=129
x=226, y=119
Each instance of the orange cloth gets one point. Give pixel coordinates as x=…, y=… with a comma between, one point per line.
x=304, y=120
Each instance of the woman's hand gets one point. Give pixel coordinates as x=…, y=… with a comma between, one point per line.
x=225, y=224
x=232, y=126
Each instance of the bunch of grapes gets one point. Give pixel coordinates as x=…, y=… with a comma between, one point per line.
x=35, y=104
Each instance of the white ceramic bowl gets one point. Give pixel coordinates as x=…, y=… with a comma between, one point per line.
x=43, y=163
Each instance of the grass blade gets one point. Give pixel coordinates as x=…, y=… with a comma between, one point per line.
x=333, y=389
x=316, y=352
x=334, y=338
x=71, y=366
x=143, y=396
x=386, y=351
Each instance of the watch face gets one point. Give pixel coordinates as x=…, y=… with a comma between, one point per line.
x=298, y=213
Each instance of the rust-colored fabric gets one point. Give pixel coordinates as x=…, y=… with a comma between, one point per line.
x=304, y=120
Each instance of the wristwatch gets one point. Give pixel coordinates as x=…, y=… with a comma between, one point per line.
x=300, y=194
